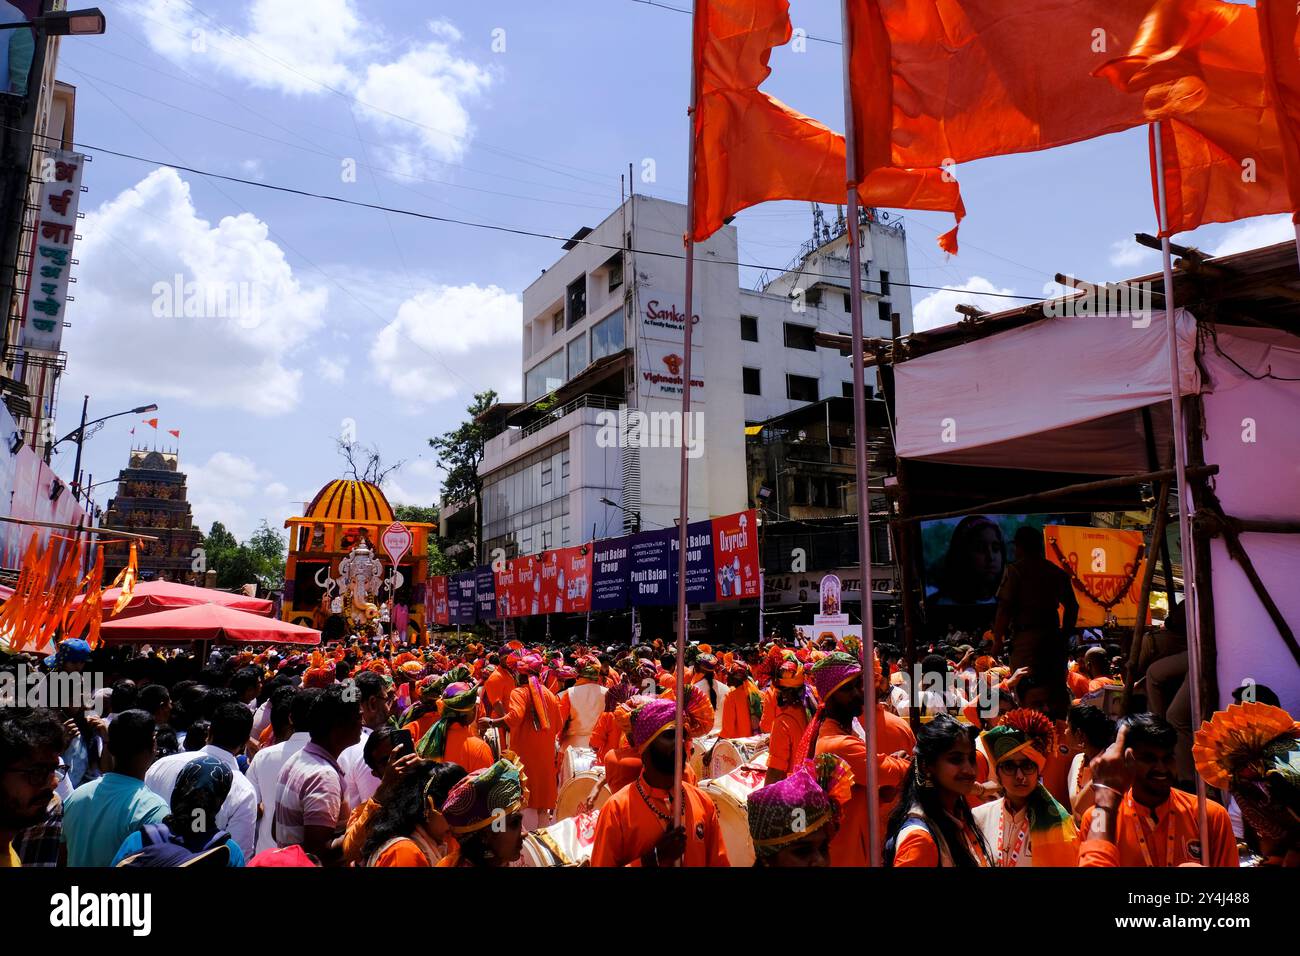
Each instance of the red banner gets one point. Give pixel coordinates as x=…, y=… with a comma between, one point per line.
x=735, y=555
x=519, y=587
x=441, y=613
x=566, y=580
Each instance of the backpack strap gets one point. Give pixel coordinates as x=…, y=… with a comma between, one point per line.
x=152, y=834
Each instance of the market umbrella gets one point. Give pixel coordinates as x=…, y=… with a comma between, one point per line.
x=150, y=597
x=207, y=622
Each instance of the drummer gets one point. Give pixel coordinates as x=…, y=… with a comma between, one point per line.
x=794, y=708
x=706, y=666
x=742, y=709
x=582, y=704
x=635, y=825
x=792, y=821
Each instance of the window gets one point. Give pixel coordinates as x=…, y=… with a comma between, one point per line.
x=867, y=389
x=748, y=328
x=818, y=491
x=557, y=322
x=848, y=390
x=801, y=388
x=577, y=355
x=615, y=267
x=547, y=472
x=575, y=300
x=848, y=303
x=885, y=312
x=607, y=336
x=884, y=283
x=544, y=377
x=800, y=337
x=752, y=381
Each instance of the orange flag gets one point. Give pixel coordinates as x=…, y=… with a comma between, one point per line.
x=948, y=81
x=1200, y=70
x=1279, y=33
x=752, y=148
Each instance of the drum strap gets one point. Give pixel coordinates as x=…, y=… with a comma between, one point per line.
x=552, y=848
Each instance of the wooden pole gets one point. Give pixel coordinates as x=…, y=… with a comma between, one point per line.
x=97, y=532
x=860, y=451
x=1160, y=521
x=1056, y=494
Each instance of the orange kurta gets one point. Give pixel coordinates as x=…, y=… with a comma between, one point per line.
x=770, y=710
x=788, y=726
x=850, y=845
x=737, y=721
x=1077, y=682
x=535, y=745
x=496, y=691
x=420, y=726
x=623, y=765
x=605, y=735
x=402, y=853
x=627, y=828
x=1178, y=813
x=467, y=750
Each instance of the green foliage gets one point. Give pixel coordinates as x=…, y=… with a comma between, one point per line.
x=259, y=560
x=460, y=452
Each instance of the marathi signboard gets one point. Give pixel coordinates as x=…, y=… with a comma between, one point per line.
x=1105, y=566
x=52, y=241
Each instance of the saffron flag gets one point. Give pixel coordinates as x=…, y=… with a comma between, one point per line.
x=1201, y=72
x=938, y=82
x=752, y=148
x=175, y=432
x=152, y=423
x=1279, y=32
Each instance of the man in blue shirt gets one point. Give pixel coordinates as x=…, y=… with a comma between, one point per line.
x=100, y=814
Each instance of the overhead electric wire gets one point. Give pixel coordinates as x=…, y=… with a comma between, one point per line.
x=686, y=10
x=511, y=230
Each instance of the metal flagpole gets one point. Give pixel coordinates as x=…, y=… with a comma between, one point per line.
x=860, y=454
x=684, y=505
x=1190, y=602
x=1297, y=239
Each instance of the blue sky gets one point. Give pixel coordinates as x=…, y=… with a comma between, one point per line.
x=513, y=113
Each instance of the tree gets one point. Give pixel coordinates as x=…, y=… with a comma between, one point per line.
x=259, y=560
x=460, y=453
x=365, y=463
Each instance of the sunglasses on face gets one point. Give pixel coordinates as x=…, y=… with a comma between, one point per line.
x=1018, y=768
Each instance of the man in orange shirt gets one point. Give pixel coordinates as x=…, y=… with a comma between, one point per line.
x=533, y=717
x=498, y=687
x=448, y=738
x=838, y=680
x=1155, y=824
x=742, y=709
x=792, y=711
x=635, y=825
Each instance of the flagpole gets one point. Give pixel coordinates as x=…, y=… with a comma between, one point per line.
x=1190, y=601
x=860, y=454
x=1297, y=241
x=684, y=503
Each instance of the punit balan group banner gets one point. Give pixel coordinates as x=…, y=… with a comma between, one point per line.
x=735, y=556
x=461, y=597
x=1105, y=566
x=650, y=575
x=609, y=581
x=485, y=593
x=700, y=586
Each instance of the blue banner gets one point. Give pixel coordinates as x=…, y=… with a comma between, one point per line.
x=461, y=597
x=485, y=592
x=701, y=586
x=609, y=574
x=650, y=567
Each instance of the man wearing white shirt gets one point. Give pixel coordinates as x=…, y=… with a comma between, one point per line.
x=377, y=695
x=231, y=724
x=264, y=770
x=713, y=689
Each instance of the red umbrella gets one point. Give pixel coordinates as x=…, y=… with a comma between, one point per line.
x=151, y=597
x=207, y=622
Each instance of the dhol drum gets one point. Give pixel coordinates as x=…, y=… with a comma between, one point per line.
x=582, y=783
x=701, y=749
x=730, y=794
x=566, y=843
x=737, y=752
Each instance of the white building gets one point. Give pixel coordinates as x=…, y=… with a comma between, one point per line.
x=603, y=345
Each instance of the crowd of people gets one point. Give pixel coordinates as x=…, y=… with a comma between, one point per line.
x=369, y=753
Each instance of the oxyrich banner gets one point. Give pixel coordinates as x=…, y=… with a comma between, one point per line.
x=571, y=579
x=700, y=586
x=440, y=609
x=650, y=575
x=485, y=593
x=735, y=555
x=609, y=574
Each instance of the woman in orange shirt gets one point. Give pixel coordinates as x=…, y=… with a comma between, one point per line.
x=932, y=823
x=407, y=827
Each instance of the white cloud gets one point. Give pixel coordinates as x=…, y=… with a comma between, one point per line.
x=173, y=307
x=1127, y=254
x=331, y=370
x=222, y=489
x=276, y=489
x=1254, y=233
x=444, y=332
x=417, y=482
x=937, y=308
x=324, y=47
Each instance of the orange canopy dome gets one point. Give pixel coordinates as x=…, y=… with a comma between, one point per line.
x=347, y=500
